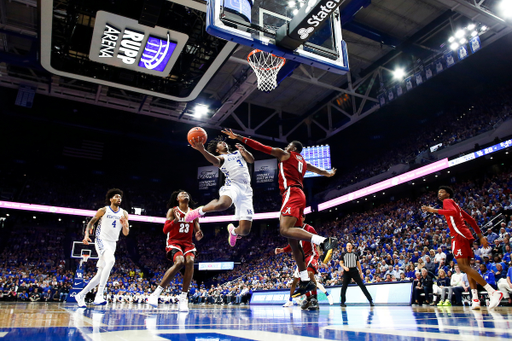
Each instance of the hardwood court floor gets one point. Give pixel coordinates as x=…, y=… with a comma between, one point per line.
x=63, y=321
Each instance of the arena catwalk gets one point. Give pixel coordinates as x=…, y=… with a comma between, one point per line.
x=64, y=321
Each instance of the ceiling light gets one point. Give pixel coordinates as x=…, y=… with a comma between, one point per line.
x=483, y=28
x=471, y=27
x=291, y=3
x=295, y=11
x=454, y=46
x=200, y=110
x=463, y=41
x=506, y=8
x=451, y=39
x=399, y=73
x=459, y=34
x=474, y=33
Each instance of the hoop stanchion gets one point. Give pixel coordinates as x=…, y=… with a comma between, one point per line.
x=266, y=66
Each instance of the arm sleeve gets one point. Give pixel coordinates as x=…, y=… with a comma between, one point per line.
x=168, y=226
x=287, y=248
x=257, y=146
x=471, y=221
x=448, y=208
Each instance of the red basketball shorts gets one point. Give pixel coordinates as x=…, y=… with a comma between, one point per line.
x=177, y=248
x=461, y=247
x=294, y=202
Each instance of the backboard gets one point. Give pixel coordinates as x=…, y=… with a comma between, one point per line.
x=255, y=23
x=79, y=248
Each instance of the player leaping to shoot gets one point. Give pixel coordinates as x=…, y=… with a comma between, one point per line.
x=237, y=189
x=462, y=239
x=292, y=168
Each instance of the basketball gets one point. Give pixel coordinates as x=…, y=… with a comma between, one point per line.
x=197, y=132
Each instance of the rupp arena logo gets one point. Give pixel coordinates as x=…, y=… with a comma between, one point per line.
x=123, y=42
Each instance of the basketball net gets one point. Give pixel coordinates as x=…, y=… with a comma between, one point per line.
x=266, y=66
x=84, y=259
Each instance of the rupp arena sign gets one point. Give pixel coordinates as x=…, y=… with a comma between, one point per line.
x=123, y=42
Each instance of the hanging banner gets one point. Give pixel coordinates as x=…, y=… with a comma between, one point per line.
x=449, y=59
x=408, y=83
x=265, y=171
x=382, y=99
x=462, y=52
x=474, y=44
x=439, y=65
x=419, y=78
x=399, y=90
x=428, y=71
x=207, y=177
x=391, y=95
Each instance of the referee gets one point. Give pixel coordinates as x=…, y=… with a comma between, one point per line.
x=350, y=263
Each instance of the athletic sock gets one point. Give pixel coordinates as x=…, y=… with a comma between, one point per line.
x=201, y=213
x=489, y=289
x=290, y=299
x=233, y=232
x=158, y=291
x=474, y=293
x=304, y=276
x=326, y=293
x=317, y=240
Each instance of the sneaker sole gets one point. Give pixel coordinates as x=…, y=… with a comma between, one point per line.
x=229, y=236
x=327, y=257
x=102, y=303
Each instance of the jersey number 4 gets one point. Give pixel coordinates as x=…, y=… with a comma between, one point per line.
x=114, y=223
x=184, y=228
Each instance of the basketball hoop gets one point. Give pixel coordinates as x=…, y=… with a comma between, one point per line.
x=85, y=258
x=266, y=66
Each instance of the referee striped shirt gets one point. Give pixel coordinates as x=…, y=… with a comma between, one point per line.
x=350, y=259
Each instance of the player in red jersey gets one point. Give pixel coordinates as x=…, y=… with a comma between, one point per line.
x=462, y=239
x=179, y=247
x=311, y=255
x=292, y=168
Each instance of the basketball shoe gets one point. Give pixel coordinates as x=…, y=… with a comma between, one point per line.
x=304, y=287
x=475, y=304
x=80, y=299
x=153, y=301
x=327, y=247
x=495, y=299
x=183, y=303
x=232, y=237
x=288, y=304
x=192, y=214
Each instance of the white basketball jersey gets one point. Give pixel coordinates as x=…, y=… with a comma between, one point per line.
x=109, y=225
x=235, y=169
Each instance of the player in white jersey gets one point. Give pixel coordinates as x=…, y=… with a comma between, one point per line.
x=237, y=189
x=111, y=220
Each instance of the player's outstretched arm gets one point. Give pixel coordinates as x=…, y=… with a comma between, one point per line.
x=125, y=224
x=198, y=145
x=279, y=153
x=90, y=225
x=320, y=171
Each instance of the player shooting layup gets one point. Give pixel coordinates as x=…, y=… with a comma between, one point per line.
x=237, y=188
x=292, y=168
x=111, y=219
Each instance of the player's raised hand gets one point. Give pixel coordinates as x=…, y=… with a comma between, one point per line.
x=229, y=133
x=124, y=222
x=240, y=147
x=484, y=242
x=278, y=251
x=86, y=240
x=196, y=143
x=199, y=235
x=331, y=172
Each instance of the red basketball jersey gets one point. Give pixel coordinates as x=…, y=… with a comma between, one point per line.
x=182, y=231
x=291, y=172
x=308, y=247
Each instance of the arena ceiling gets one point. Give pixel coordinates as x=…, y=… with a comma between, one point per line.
x=381, y=36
